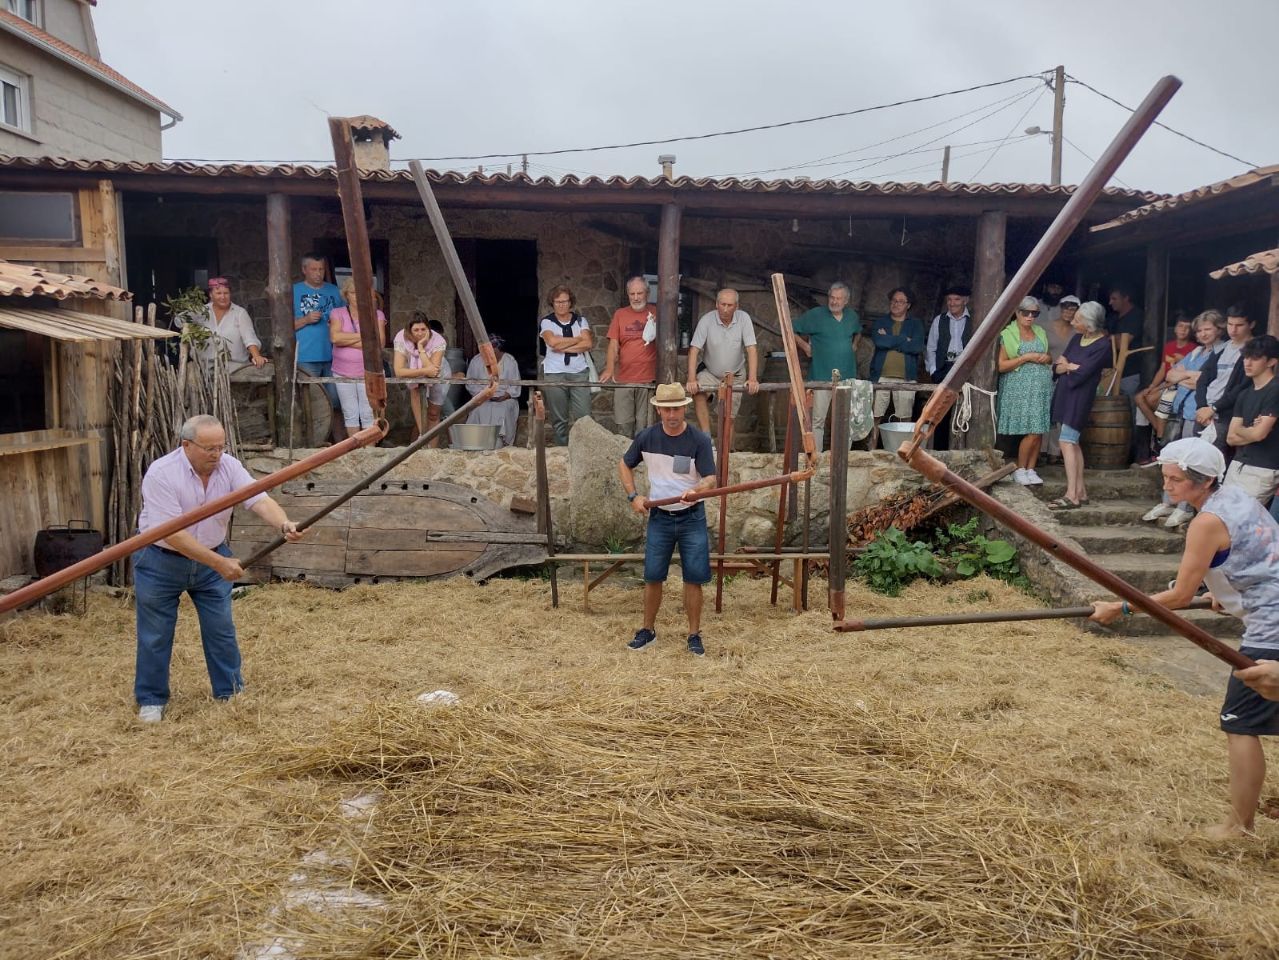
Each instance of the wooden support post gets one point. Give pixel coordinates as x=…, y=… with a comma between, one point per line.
x=538, y=408
x=789, y=457
x=840, y=410
x=988, y=284
x=1156, y=308
x=725, y=445
x=1272, y=325
x=668, y=295
x=357, y=245
x=279, y=292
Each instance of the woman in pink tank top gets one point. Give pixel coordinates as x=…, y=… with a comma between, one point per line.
x=348, y=360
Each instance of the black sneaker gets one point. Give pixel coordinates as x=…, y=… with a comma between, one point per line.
x=695, y=645
x=643, y=637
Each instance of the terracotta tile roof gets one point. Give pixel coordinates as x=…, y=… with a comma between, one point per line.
x=1190, y=197
x=802, y=186
x=64, y=51
x=20, y=280
x=1267, y=261
x=366, y=122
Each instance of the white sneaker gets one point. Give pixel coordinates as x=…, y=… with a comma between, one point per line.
x=151, y=713
x=1020, y=476
x=1033, y=479
x=1157, y=512
x=1178, y=517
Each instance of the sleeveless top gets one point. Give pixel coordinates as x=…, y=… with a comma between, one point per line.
x=1245, y=582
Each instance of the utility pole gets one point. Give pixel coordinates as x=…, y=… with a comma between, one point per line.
x=1059, y=112
x=945, y=164
x=524, y=163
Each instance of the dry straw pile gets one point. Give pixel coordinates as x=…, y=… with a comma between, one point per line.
x=1023, y=790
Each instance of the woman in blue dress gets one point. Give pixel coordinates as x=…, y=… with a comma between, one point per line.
x=1025, y=388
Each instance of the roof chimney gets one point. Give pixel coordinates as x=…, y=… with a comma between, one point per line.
x=372, y=138
x=667, y=160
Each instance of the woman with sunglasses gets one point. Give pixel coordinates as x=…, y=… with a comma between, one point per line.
x=1025, y=388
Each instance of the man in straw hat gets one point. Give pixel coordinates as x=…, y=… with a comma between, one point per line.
x=680, y=463
x=1232, y=546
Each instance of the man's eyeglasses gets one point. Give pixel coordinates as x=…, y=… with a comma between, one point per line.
x=1029, y=313
x=561, y=303
x=210, y=448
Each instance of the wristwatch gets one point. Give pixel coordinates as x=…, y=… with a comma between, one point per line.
x=630, y=497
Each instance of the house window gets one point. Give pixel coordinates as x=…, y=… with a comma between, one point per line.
x=37, y=216
x=28, y=10
x=15, y=99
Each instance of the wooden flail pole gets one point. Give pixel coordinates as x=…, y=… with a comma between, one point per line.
x=992, y=616
x=118, y=551
x=944, y=396
x=544, y=523
x=788, y=464
x=454, y=265
x=357, y=244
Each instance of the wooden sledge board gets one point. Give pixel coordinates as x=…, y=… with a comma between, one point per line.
x=401, y=529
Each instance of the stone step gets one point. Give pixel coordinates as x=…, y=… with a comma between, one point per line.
x=1103, y=539
x=1103, y=484
x=1145, y=571
x=1097, y=512
x=1219, y=625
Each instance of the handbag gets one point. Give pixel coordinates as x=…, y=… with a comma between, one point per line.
x=591, y=371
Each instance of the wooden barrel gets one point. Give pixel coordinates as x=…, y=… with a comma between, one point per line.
x=1107, y=440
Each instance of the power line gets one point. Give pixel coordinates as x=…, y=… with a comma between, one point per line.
x=932, y=164
x=730, y=133
x=1184, y=136
x=1087, y=156
x=832, y=158
x=919, y=147
x=1011, y=130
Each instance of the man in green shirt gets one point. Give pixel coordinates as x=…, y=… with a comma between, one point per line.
x=832, y=333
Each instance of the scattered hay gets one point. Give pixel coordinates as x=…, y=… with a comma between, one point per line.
x=995, y=791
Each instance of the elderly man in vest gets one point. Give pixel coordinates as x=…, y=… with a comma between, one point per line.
x=195, y=561
x=947, y=337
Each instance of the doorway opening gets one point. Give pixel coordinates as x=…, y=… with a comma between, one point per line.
x=503, y=276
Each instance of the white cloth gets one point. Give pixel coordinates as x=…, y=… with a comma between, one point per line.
x=504, y=407
x=235, y=330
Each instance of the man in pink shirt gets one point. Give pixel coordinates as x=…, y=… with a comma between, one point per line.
x=632, y=359
x=196, y=561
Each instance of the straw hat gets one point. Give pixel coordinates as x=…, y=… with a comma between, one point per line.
x=671, y=395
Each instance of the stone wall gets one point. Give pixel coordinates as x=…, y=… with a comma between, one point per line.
x=589, y=507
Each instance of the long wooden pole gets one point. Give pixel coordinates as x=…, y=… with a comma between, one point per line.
x=544, y=523
x=357, y=245
x=937, y=471
x=992, y=616
x=668, y=294
x=1059, y=118
x=840, y=409
x=725, y=447
x=41, y=588
x=1040, y=257
x=779, y=534
x=454, y=265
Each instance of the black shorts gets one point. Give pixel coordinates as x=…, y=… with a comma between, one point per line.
x=1245, y=711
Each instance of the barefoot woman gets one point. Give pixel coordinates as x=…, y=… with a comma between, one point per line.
x=1232, y=546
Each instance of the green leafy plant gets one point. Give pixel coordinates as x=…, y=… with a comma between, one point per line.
x=957, y=551
x=891, y=561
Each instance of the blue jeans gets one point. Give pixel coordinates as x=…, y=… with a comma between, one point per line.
x=325, y=369
x=687, y=528
x=159, y=580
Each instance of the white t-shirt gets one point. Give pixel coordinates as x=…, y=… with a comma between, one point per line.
x=557, y=362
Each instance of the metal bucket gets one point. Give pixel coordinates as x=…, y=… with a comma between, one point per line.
x=893, y=435
x=474, y=436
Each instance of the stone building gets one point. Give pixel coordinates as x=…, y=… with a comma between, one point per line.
x=57, y=97
x=517, y=236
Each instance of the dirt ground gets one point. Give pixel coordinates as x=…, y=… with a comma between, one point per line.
x=1018, y=790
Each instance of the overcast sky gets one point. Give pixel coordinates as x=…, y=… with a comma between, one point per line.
x=254, y=81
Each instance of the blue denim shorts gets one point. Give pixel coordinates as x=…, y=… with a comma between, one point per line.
x=685, y=528
x=1068, y=434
